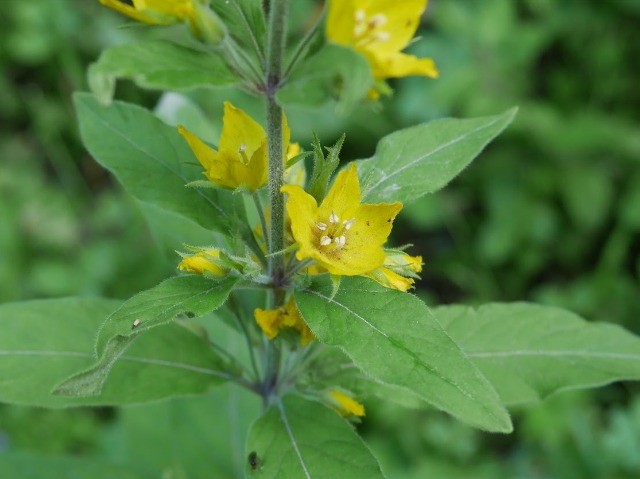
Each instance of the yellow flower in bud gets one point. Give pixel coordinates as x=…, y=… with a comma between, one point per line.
x=203, y=22
x=342, y=235
x=348, y=405
x=202, y=262
x=242, y=159
x=398, y=271
x=380, y=30
x=271, y=321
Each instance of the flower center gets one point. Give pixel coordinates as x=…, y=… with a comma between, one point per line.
x=369, y=29
x=333, y=234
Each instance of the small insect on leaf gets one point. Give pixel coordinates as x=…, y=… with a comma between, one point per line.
x=135, y=324
x=254, y=461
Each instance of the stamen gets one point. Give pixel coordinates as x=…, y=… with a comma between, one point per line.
x=242, y=148
x=377, y=20
x=325, y=241
x=348, y=223
x=361, y=16
x=340, y=241
x=382, y=36
x=321, y=226
x=333, y=218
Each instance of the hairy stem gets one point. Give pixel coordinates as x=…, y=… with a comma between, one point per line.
x=277, y=22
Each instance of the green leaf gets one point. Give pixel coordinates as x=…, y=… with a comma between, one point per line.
x=188, y=295
x=394, y=338
x=245, y=21
x=31, y=466
x=43, y=342
x=158, y=65
x=301, y=438
x=413, y=162
x=334, y=73
x=199, y=437
x=152, y=161
x=530, y=351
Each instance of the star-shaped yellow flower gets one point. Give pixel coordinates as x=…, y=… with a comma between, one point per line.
x=341, y=235
x=241, y=160
x=380, y=30
x=202, y=262
x=271, y=321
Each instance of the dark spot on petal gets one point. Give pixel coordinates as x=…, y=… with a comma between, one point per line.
x=389, y=220
x=368, y=223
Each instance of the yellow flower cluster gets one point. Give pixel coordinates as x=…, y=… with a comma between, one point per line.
x=347, y=406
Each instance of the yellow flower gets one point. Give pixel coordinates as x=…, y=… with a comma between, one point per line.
x=242, y=159
x=398, y=271
x=347, y=404
x=341, y=235
x=202, y=21
x=201, y=262
x=271, y=321
x=380, y=30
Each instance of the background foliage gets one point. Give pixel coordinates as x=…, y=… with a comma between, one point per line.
x=550, y=213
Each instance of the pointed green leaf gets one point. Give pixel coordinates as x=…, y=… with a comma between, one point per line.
x=301, y=438
x=42, y=342
x=158, y=65
x=334, y=73
x=394, y=338
x=152, y=161
x=413, y=162
x=191, y=296
x=198, y=437
x=529, y=351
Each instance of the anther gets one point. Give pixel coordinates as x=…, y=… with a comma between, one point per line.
x=325, y=241
x=333, y=218
x=321, y=226
x=348, y=223
x=377, y=20
x=340, y=241
x=242, y=148
x=382, y=36
x=361, y=16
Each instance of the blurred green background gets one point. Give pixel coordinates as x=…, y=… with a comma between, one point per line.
x=550, y=212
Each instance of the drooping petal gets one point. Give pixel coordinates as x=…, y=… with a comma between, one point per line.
x=401, y=65
x=240, y=132
x=344, y=197
x=302, y=209
x=206, y=155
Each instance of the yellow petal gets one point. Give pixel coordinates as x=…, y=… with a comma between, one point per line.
x=268, y=320
x=391, y=279
x=343, y=198
x=402, y=19
x=347, y=404
x=302, y=210
x=206, y=155
x=403, y=260
x=240, y=132
x=201, y=262
x=129, y=11
x=341, y=21
x=402, y=65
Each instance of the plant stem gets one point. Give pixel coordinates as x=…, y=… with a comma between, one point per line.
x=263, y=220
x=277, y=23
